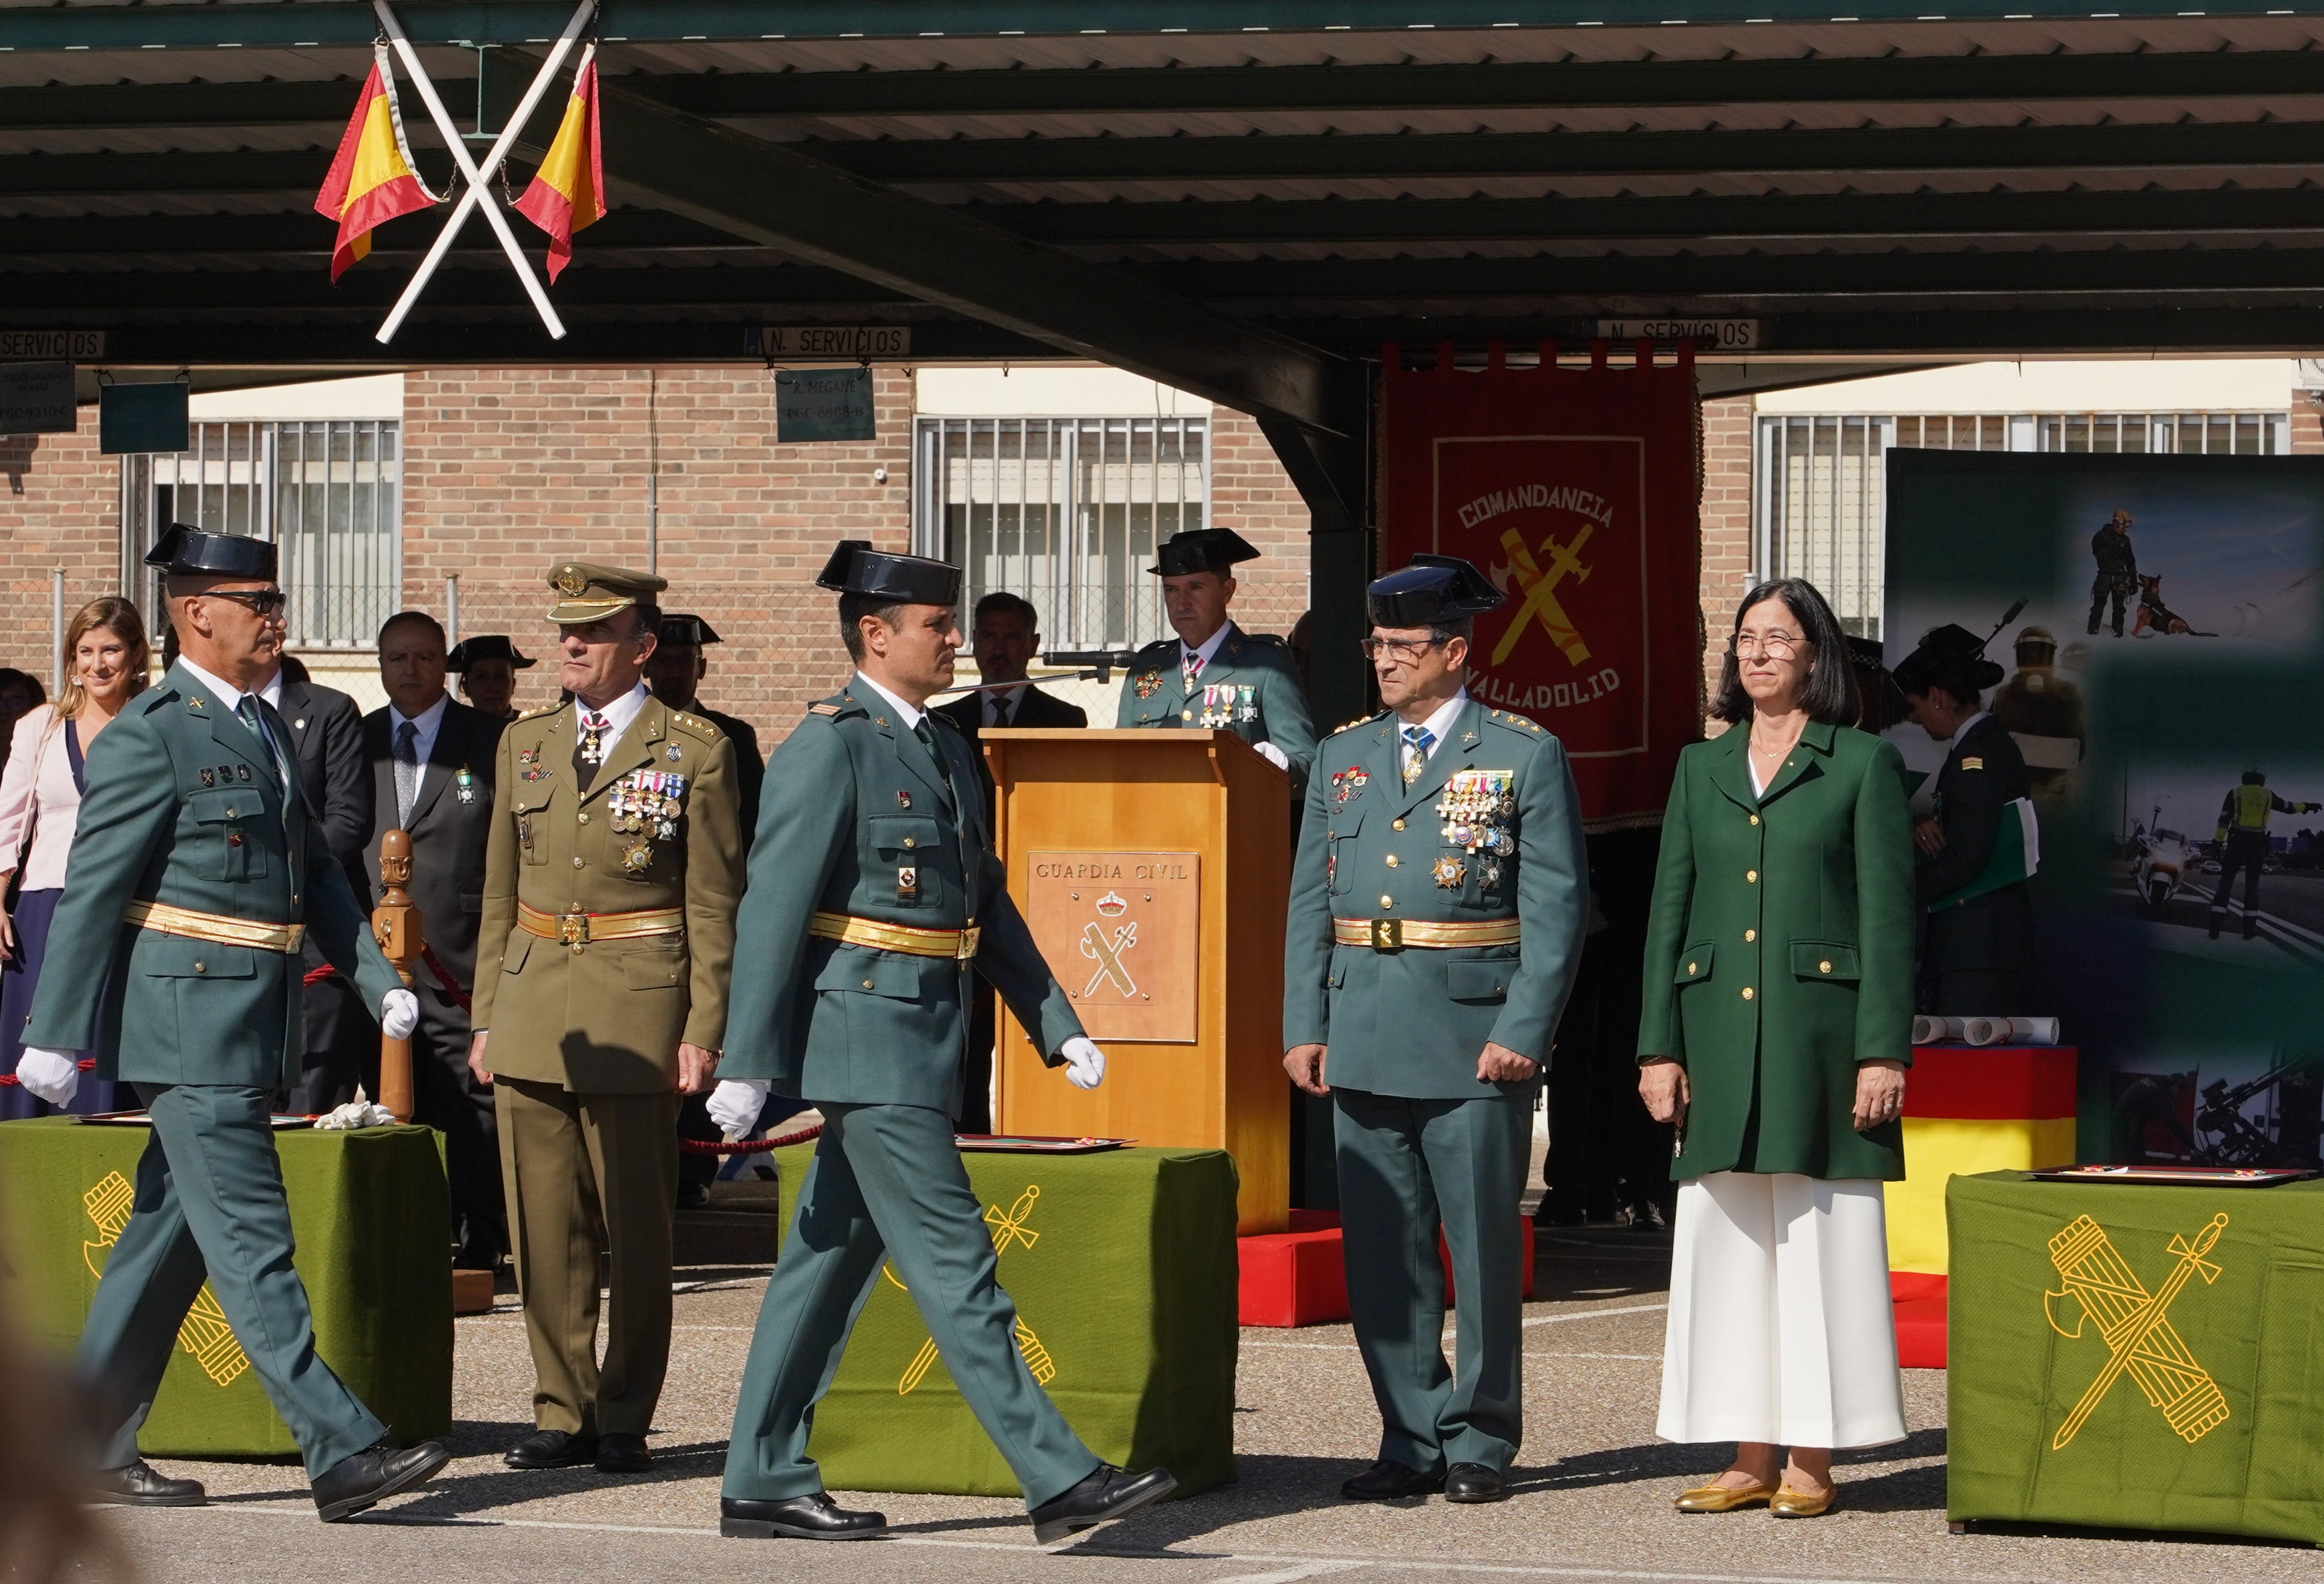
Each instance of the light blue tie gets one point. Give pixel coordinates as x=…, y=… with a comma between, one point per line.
x=1417, y=741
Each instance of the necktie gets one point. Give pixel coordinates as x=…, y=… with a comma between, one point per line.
x=594, y=728
x=1000, y=710
x=407, y=772
x=247, y=713
x=1417, y=740
x=1191, y=665
x=927, y=732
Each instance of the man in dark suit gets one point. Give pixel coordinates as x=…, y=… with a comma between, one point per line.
x=342, y=1036
x=1978, y=949
x=430, y=761
x=1006, y=638
x=674, y=672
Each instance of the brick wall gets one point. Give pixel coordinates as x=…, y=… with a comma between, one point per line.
x=60, y=507
x=1252, y=494
x=1726, y=525
x=2307, y=426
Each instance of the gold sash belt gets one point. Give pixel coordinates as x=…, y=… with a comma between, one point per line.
x=163, y=919
x=577, y=928
x=1396, y=934
x=958, y=944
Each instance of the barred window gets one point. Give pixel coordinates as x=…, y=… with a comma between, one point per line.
x=1065, y=512
x=328, y=493
x=1820, y=480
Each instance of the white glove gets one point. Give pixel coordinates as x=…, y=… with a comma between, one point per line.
x=398, y=1013
x=1273, y=755
x=736, y=1105
x=53, y=1075
x=1085, y=1063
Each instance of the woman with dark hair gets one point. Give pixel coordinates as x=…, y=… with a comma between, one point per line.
x=1776, y=1033
x=107, y=664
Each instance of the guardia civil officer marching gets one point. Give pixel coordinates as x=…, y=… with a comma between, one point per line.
x=1438, y=905
x=872, y=887
x=196, y=876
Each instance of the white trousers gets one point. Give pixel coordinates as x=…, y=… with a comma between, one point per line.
x=1781, y=1326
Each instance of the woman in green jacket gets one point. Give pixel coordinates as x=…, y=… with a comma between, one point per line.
x=1774, y=1033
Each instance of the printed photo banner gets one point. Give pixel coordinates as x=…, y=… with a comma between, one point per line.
x=1576, y=492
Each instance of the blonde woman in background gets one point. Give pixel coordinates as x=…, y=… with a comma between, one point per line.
x=109, y=662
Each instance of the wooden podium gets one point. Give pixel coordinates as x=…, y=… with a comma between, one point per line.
x=1146, y=863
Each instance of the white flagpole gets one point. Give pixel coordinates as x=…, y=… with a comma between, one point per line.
x=475, y=193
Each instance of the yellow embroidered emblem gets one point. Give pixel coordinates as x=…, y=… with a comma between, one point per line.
x=1007, y=1229
x=205, y=1333
x=572, y=582
x=2098, y=1284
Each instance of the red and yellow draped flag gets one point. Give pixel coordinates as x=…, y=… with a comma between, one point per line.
x=372, y=180
x=568, y=191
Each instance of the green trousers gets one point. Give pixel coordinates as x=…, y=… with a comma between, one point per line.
x=209, y=1207
x=888, y=1184
x=1406, y=1167
x=576, y=1165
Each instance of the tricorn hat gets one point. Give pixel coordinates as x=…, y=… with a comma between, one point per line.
x=1952, y=654
x=485, y=647
x=684, y=629
x=189, y=552
x=1433, y=588
x=855, y=568
x=587, y=592
x=1201, y=549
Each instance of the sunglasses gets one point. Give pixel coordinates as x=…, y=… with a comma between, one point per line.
x=261, y=603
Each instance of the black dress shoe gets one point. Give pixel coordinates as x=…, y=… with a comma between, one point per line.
x=1388, y=1480
x=1473, y=1482
x=807, y=1517
x=371, y=1476
x=620, y=1452
x=1107, y=1494
x=551, y=1448
x=141, y=1485
x=692, y=1196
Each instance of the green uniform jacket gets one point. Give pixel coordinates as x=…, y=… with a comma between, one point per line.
x=854, y=809
x=1412, y=1022
x=182, y=809
x=1779, y=953
x=1154, y=694
x=607, y=1018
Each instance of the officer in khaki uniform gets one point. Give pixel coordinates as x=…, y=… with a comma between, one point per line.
x=612, y=877
x=1438, y=905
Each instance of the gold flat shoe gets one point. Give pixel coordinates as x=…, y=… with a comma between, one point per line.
x=1725, y=1498
x=1788, y=1503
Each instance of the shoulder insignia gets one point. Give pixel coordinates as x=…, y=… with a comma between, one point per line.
x=1972, y=763
x=544, y=710
x=823, y=710
x=694, y=726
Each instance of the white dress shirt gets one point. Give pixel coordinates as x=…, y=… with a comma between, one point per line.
x=911, y=716
x=619, y=713
x=1016, y=697
x=430, y=722
x=1207, y=650
x=1439, y=723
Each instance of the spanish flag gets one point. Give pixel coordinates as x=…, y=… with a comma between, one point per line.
x=568, y=191
x=371, y=180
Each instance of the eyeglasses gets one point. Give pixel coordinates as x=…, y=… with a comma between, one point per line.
x=1407, y=649
x=262, y=603
x=1774, y=645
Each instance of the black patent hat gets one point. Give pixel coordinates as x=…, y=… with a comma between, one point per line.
x=1951, y=650
x=855, y=568
x=1201, y=549
x=687, y=630
x=184, y=551
x=485, y=647
x=1433, y=588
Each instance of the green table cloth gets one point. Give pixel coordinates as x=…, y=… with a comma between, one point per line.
x=1122, y=1267
x=372, y=1219
x=2137, y=1357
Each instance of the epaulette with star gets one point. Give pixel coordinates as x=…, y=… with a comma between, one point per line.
x=542, y=709
x=1359, y=721
x=833, y=708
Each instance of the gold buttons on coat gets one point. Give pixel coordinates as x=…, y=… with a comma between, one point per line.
x=1690, y=967
x=1395, y=825
x=576, y=860
x=1185, y=715
x=1750, y=876
x=1747, y=992
x=1391, y=860
x=201, y=967
x=1750, y=934
x=1388, y=901
x=585, y=816
x=911, y=842
x=1823, y=967
x=867, y=984
x=1755, y=819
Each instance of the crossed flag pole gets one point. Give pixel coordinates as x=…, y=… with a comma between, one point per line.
x=372, y=180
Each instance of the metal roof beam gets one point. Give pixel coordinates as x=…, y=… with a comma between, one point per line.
x=262, y=238
x=770, y=195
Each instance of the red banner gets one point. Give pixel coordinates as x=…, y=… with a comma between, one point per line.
x=1576, y=491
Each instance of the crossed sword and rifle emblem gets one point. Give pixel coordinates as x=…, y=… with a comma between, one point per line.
x=2135, y=1324
x=1540, y=587
x=205, y=1333
x=1009, y=1229
x=1108, y=955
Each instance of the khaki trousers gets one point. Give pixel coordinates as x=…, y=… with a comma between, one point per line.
x=579, y=1167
